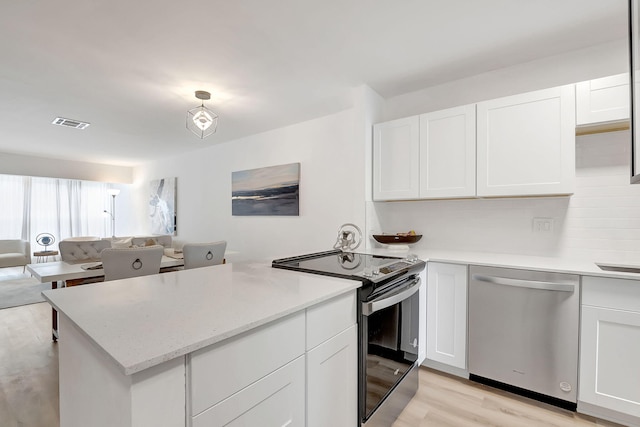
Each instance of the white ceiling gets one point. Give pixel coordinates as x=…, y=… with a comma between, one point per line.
x=130, y=67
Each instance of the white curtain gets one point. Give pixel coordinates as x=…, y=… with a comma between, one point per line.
x=62, y=207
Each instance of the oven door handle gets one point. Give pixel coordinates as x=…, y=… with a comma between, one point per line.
x=368, y=308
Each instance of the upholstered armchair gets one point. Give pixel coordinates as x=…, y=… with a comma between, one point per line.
x=82, y=251
x=15, y=253
x=131, y=262
x=203, y=254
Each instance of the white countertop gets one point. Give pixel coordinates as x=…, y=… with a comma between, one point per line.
x=528, y=262
x=144, y=321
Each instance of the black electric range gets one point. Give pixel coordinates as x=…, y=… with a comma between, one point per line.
x=376, y=272
x=388, y=324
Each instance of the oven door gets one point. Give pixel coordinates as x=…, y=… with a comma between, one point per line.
x=388, y=352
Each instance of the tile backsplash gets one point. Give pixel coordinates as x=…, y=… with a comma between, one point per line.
x=599, y=222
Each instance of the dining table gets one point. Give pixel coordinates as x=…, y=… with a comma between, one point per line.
x=62, y=273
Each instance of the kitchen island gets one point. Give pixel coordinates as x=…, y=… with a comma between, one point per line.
x=173, y=349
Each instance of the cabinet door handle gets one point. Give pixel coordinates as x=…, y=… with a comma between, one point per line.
x=530, y=284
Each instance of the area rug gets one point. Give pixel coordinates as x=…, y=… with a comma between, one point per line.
x=24, y=291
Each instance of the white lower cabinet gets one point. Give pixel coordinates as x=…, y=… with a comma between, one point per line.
x=332, y=379
x=447, y=314
x=275, y=400
x=297, y=371
x=610, y=350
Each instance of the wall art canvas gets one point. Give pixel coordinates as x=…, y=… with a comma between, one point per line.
x=272, y=190
x=162, y=206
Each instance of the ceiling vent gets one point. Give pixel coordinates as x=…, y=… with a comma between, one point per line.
x=76, y=124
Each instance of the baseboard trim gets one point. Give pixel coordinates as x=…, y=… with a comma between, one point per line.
x=560, y=403
x=607, y=414
x=452, y=370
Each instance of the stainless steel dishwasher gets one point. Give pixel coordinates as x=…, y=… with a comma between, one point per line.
x=523, y=332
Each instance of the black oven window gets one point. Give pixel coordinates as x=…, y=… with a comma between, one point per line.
x=391, y=349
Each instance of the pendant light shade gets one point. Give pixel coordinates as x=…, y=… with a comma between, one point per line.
x=201, y=120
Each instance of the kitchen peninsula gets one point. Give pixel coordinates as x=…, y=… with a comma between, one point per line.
x=204, y=347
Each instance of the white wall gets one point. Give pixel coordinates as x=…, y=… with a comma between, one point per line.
x=330, y=156
x=585, y=64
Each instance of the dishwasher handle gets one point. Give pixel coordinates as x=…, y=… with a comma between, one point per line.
x=530, y=284
x=368, y=308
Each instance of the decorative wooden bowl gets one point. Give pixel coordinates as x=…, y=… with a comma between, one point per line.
x=390, y=239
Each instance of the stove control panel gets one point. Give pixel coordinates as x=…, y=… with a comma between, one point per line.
x=393, y=267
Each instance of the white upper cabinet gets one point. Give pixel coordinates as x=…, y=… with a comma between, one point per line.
x=602, y=100
x=521, y=145
x=526, y=144
x=448, y=153
x=396, y=159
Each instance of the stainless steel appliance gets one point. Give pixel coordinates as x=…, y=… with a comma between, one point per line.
x=388, y=326
x=523, y=332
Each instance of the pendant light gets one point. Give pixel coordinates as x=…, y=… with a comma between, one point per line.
x=201, y=120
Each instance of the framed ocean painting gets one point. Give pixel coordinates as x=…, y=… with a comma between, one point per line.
x=266, y=191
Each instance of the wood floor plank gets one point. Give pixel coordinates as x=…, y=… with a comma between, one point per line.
x=448, y=401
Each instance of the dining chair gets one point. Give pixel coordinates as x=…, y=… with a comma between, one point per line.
x=131, y=262
x=203, y=254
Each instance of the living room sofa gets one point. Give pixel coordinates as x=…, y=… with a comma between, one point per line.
x=126, y=242
x=77, y=250
x=15, y=253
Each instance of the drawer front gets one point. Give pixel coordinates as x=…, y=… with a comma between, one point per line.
x=328, y=319
x=332, y=381
x=220, y=370
x=276, y=400
x=620, y=294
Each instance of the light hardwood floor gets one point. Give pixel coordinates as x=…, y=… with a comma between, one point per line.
x=28, y=368
x=447, y=401
x=29, y=387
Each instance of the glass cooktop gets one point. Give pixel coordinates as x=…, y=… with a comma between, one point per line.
x=348, y=265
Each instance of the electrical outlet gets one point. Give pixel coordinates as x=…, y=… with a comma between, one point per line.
x=542, y=225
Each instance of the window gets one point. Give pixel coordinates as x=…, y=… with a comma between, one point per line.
x=62, y=207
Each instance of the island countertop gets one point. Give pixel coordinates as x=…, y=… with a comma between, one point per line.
x=144, y=321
